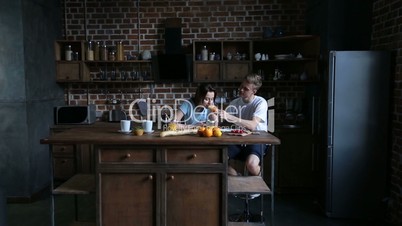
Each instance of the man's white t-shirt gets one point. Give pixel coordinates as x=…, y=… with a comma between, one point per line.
x=258, y=107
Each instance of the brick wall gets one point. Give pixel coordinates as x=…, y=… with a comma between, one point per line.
x=387, y=35
x=224, y=19
x=110, y=21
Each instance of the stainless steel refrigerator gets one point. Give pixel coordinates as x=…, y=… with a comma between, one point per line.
x=357, y=140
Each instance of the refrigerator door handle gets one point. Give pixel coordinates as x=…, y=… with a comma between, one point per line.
x=331, y=100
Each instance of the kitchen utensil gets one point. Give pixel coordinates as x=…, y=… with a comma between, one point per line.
x=117, y=115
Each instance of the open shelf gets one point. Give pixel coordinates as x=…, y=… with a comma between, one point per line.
x=79, y=184
x=247, y=185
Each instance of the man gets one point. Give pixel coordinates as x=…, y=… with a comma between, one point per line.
x=248, y=111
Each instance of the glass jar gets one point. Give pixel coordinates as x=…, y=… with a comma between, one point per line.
x=112, y=55
x=204, y=53
x=103, y=53
x=68, y=53
x=120, y=50
x=90, y=51
x=97, y=51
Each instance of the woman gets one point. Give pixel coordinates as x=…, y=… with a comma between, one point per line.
x=195, y=110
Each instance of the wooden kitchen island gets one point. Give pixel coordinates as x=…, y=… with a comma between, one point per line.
x=153, y=181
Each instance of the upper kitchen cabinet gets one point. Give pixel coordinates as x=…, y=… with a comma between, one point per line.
x=216, y=61
x=80, y=61
x=290, y=58
x=69, y=66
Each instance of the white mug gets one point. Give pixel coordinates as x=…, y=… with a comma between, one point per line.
x=147, y=125
x=125, y=125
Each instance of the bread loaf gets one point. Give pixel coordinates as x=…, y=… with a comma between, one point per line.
x=178, y=132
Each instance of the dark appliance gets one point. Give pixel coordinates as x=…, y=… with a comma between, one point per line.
x=358, y=123
x=75, y=114
x=173, y=67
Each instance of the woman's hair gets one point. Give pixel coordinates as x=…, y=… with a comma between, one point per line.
x=202, y=91
x=254, y=79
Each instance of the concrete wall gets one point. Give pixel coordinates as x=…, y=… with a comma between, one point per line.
x=28, y=92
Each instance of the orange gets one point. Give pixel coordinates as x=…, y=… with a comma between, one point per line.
x=212, y=108
x=200, y=131
x=217, y=132
x=172, y=126
x=208, y=132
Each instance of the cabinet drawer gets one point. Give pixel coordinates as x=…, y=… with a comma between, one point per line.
x=126, y=155
x=65, y=150
x=195, y=156
x=63, y=168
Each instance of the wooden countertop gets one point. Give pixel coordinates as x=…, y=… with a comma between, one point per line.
x=110, y=135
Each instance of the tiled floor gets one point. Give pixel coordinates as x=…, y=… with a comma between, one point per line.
x=290, y=210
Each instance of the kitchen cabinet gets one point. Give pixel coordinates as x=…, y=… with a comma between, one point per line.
x=153, y=180
x=230, y=61
x=76, y=68
x=64, y=163
x=296, y=160
x=290, y=58
x=69, y=159
x=152, y=186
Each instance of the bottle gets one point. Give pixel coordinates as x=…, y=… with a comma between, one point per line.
x=112, y=55
x=212, y=56
x=204, y=53
x=229, y=56
x=90, y=51
x=120, y=51
x=68, y=53
x=103, y=53
x=97, y=51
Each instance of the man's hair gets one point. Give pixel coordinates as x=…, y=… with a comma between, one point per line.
x=254, y=79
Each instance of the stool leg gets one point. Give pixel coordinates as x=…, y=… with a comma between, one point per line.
x=247, y=210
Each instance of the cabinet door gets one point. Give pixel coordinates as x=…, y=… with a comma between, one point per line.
x=68, y=71
x=207, y=71
x=63, y=168
x=127, y=199
x=63, y=162
x=236, y=71
x=193, y=199
x=295, y=167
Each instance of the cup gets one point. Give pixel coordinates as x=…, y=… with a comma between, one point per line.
x=147, y=125
x=125, y=125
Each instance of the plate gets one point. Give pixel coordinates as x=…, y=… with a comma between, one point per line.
x=149, y=132
x=239, y=132
x=283, y=56
x=223, y=130
x=125, y=132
